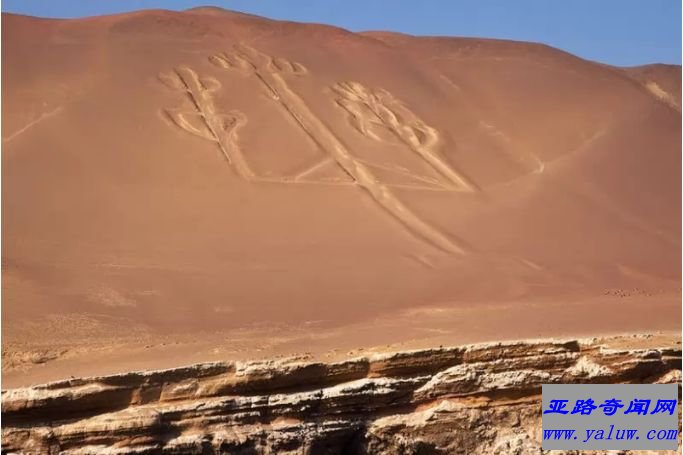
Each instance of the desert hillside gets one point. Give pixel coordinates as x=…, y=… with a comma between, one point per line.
x=206, y=184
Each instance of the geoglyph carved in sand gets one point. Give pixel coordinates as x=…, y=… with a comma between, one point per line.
x=208, y=122
x=377, y=114
x=202, y=118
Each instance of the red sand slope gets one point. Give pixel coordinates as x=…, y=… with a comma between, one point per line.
x=184, y=173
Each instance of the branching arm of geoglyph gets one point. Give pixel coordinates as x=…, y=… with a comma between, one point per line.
x=373, y=110
x=203, y=119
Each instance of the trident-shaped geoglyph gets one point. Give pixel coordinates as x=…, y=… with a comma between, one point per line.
x=272, y=73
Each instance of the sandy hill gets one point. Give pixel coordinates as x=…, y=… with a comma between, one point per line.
x=183, y=174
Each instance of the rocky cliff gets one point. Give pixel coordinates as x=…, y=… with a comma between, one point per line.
x=475, y=399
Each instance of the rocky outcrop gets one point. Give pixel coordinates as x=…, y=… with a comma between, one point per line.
x=476, y=399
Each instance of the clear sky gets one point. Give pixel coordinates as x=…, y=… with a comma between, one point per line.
x=620, y=32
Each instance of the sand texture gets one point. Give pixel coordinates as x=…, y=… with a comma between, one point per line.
x=204, y=185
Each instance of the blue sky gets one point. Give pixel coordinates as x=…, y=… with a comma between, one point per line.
x=620, y=32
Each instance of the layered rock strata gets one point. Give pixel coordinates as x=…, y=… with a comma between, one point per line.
x=475, y=399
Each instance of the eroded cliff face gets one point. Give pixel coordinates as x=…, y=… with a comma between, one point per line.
x=475, y=399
